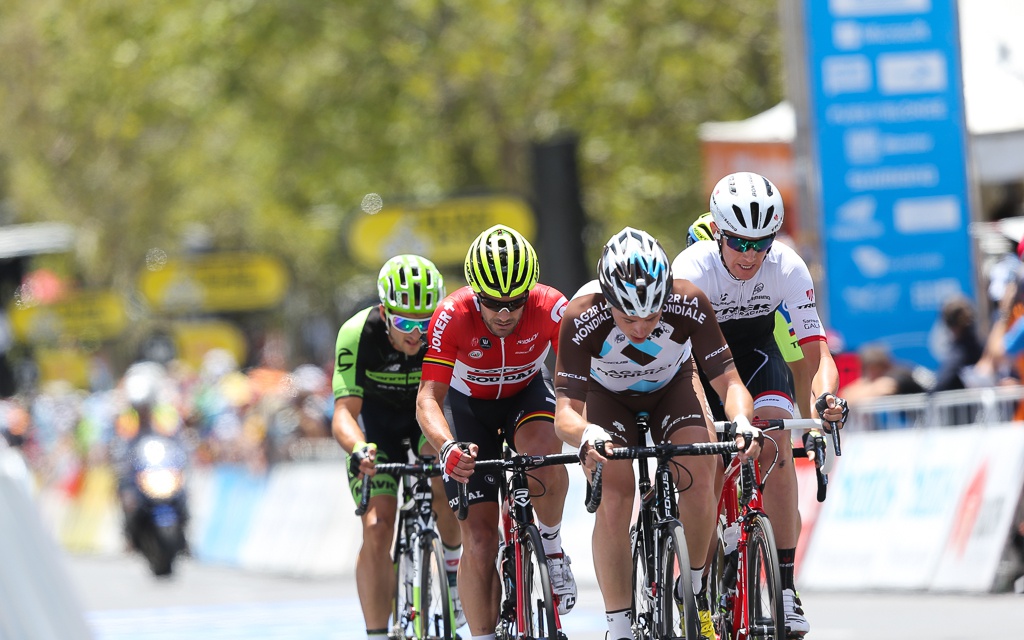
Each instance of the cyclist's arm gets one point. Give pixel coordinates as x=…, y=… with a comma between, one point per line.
x=569, y=420
x=821, y=367
x=343, y=425
x=430, y=412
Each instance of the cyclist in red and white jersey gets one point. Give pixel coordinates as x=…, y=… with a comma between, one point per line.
x=747, y=275
x=630, y=340
x=483, y=385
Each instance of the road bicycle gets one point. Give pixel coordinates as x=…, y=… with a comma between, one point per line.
x=744, y=584
x=661, y=562
x=422, y=607
x=528, y=609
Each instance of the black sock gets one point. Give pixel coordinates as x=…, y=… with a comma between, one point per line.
x=787, y=558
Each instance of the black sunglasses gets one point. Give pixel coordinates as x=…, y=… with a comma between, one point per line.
x=743, y=245
x=514, y=304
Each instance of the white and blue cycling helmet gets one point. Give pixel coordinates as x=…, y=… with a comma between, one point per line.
x=635, y=273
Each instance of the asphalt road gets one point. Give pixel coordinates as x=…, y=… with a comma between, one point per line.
x=201, y=602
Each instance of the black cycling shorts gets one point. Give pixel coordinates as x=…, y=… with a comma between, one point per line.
x=764, y=372
x=490, y=424
x=386, y=428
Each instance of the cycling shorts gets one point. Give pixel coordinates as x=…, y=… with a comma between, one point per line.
x=765, y=374
x=492, y=423
x=389, y=430
x=680, y=403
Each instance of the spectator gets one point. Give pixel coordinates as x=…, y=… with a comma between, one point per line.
x=881, y=376
x=965, y=348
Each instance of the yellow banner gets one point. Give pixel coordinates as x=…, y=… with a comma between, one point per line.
x=94, y=316
x=441, y=232
x=216, y=282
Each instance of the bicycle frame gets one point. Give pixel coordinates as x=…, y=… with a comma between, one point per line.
x=416, y=537
x=521, y=539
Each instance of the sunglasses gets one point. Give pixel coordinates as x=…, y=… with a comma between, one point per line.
x=743, y=245
x=512, y=305
x=408, y=325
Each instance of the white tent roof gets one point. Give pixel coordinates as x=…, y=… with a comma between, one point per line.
x=993, y=70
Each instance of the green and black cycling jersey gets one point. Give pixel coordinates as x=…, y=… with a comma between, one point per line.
x=367, y=366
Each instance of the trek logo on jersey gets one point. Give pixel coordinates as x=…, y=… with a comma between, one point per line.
x=744, y=311
x=810, y=294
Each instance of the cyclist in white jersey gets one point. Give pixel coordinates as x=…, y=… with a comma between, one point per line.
x=747, y=275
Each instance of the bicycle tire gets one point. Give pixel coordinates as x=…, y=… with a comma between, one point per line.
x=538, y=610
x=402, y=608
x=764, y=581
x=720, y=594
x=432, y=598
x=643, y=593
x=674, y=572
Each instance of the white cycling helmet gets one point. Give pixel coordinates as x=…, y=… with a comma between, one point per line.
x=635, y=273
x=748, y=205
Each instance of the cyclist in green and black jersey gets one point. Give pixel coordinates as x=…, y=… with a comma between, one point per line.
x=377, y=365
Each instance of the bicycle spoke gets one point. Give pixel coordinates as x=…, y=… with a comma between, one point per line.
x=676, y=616
x=764, y=585
x=434, y=607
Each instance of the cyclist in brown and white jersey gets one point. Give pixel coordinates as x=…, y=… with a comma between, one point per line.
x=628, y=343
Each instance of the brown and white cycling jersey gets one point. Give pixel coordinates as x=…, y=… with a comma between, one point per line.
x=592, y=350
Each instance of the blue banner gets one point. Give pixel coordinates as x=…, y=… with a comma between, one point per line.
x=886, y=103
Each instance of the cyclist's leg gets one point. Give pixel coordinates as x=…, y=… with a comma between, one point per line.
x=478, y=584
x=375, y=576
x=611, y=543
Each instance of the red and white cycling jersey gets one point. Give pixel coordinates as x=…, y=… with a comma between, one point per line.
x=462, y=351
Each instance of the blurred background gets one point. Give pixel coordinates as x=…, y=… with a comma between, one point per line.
x=213, y=186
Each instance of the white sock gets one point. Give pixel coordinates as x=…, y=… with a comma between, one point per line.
x=489, y=636
x=376, y=634
x=552, y=538
x=620, y=624
x=452, y=557
x=695, y=578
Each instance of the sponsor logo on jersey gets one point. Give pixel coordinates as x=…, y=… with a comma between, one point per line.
x=759, y=287
x=810, y=294
x=558, y=310
x=565, y=374
x=476, y=354
x=485, y=343
x=344, y=354
x=716, y=352
x=440, y=323
x=528, y=340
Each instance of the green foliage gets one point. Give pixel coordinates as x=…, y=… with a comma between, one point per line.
x=266, y=122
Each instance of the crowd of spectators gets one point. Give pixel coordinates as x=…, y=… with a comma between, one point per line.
x=254, y=418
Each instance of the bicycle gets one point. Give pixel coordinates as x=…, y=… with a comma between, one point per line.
x=421, y=607
x=660, y=557
x=744, y=584
x=528, y=609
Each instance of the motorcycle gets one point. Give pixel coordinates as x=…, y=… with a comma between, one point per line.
x=156, y=524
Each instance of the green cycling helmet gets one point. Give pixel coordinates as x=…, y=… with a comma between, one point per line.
x=410, y=283
x=701, y=229
x=501, y=263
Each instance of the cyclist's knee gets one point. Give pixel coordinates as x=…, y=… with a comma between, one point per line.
x=538, y=437
x=378, y=534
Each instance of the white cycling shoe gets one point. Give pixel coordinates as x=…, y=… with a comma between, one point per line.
x=563, y=584
x=796, y=623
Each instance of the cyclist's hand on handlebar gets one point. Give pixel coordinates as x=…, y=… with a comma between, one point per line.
x=458, y=459
x=743, y=426
x=832, y=410
x=362, y=460
x=589, y=452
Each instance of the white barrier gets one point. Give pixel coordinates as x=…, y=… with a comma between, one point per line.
x=36, y=599
x=921, y=509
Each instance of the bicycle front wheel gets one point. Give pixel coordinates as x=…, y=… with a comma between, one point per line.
x=433, y=605
x=764, y=582
x=677, y=609
x=536, y=605
x=402, y=606
x=722, y=589
x=643, y=590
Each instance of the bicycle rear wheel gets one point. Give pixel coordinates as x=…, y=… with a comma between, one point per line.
x=722, y=590
x=433, y=604
x=537, y=611
x=764, y=582
x=676, y=617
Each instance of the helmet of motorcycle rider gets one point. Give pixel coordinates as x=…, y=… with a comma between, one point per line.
x=142, y=384
x=748, y=205
x=411, y=284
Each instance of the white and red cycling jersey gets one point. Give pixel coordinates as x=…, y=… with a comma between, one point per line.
x=463, y=353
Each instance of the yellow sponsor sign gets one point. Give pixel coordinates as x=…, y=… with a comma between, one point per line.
x=441, y=232
x=194, y=339
x=94, y=316
x=216, y=282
